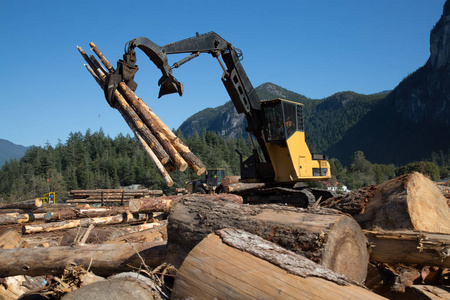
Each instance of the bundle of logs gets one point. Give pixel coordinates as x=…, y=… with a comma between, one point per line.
x=110, y=196
x=386, y=241
x=163, y=147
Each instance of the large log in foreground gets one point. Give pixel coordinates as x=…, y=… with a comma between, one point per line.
x=238, y=265
x=327, y=237
x=411, y=247
x=100, y=259
x=408, y=202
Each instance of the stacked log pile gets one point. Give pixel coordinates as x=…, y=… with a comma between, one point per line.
x=109, y=196
x=163, y=147
x=372, y=243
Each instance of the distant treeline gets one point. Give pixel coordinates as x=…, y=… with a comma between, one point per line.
x=97, y=161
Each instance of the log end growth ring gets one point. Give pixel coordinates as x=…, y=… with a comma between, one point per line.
x=346, y=250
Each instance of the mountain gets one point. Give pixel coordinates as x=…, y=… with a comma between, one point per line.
x=10, y=151
x=326, y=120
x=407, y=124
x=412, y=122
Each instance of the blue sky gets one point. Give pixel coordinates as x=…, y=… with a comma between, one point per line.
x=312, y=47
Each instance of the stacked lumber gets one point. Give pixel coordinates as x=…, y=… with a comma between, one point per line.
x=163, y=147
x=110, y=195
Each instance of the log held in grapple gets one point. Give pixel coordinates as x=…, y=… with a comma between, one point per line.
x=150, y=131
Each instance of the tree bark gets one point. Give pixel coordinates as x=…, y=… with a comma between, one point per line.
x=164, y=165
x=13, y=218
x=70, y=214
x=196, y=165
x=53, y=226
x=138, y=106
x=157, y=233
x=423, y=248
x=409, y=202
x=120, y=286
x=216, y=270
x=28, y=204
x=100, y=259
x=139, y=193
x=239, y=187
x=327, y=237
x=163, y=204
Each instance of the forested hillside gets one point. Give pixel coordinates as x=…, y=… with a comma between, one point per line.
x=94, y=160
x=10, y=150
x=326, y=120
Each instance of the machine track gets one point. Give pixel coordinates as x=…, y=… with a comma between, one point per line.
x=300, y=197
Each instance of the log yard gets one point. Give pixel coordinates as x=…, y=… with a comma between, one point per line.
x=260, y=236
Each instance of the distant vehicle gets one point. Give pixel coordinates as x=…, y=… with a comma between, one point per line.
x=207, y=185
x=49, y=198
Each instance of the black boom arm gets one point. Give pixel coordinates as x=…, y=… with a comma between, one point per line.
x=236, y=82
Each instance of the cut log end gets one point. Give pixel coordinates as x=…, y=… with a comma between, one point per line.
x=347, y=240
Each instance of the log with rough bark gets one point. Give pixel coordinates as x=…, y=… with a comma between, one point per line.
x=163, y=204
x=158, y=232
x=70, y=214
x=196, y=165
x=120, y=286
x=240, y=187
x=14, y=218
x=114, y=192
x=152, y=120
x=177, y=150
x=28, y=204
x=90, y=201
x=237, y=265
x=112, y=234
x=325, y=236
x=53, y=226
x=14, y=286
x=138, y=106
x=411, y=247
x=408, y=202
x=100, y=259
x=150, y=144
x=130, y=116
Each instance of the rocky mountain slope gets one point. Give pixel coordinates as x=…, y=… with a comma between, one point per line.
x=411, y=123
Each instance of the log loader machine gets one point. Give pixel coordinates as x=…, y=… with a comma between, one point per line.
x=277, y=125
